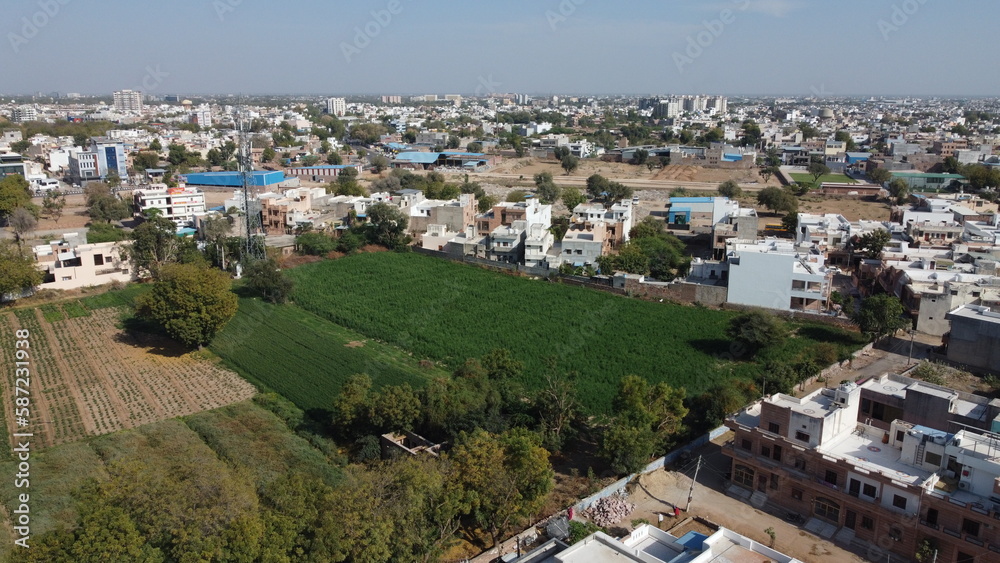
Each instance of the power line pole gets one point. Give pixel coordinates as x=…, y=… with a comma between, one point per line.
x=691, y=491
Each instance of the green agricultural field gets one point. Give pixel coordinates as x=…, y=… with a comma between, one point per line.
x=808, y=179
x=306, y=358
x=450, y=312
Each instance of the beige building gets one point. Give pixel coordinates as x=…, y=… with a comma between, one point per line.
x=71, y=264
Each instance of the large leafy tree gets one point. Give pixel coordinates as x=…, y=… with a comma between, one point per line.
x=387, y=225
x=880, y=316
x=14, y=193
x=507, y=477
x=546, y=187
x=647, y=419
x=154, y=245
x=192, y=303
x=266, y=278
x=756, y=330
x=17, y=271
x=873, y=242
x=730, y=189
x=777, y=199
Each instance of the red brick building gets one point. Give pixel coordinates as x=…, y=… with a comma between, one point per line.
x=884, y=466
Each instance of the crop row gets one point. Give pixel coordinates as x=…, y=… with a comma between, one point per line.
x=305, y=358
x=450, y=312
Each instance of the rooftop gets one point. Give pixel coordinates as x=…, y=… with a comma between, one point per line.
x=870, y=454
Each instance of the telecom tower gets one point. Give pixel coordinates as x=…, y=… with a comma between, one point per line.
x=252, y=248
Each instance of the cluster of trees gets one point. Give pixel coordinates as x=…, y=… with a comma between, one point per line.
x=103, y=205
x=386, y=226
x=600, y=188
x=650, y=251
x=567, y=161
x=647, y=421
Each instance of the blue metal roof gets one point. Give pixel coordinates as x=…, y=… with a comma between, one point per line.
x=693, y=541
x=326, y=167
x=690, y=200
x=233, y=179
x=419, y=157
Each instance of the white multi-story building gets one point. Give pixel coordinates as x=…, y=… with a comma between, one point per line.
x=128, y=100
x=177, y=204
x=23, y=114
x=71, y=264
x=336, y=106
x=202, y=116
x=774, y=275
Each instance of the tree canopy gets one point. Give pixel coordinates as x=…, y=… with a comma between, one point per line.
x=191, y=303
x=880, y=316
x=17, y=271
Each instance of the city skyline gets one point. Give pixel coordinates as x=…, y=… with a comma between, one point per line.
x=797, y=48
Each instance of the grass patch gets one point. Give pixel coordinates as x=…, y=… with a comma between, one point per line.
x=248, y=436
x=124, y=297
x=450, y=312
x=52, y=313
x=74, y=309
x=307, y=358
x=808, y=178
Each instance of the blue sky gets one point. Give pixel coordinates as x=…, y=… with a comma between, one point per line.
x=792, y=47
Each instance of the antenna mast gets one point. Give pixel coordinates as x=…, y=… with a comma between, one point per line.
x=252, y=248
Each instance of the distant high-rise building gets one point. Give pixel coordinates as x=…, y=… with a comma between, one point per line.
x=171, y=98
x=430, y=97
x=128, y=100
x=23, y=114
x=336, y=106
x=202, y=116
x=453, y=98
x=392, y=99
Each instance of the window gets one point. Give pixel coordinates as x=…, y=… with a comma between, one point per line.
x=765, y=450
x=899, y=502
x=774, y=480
x=826, y=509
x=746, y=444
x=867, y=523
x=970, y=527
x=98, y=260
x=899, y=435
x=895, y=533
x=743, y=476
x=933, y=459
x=869, y=490
x=797, y=494
x=932, y=516
x=800, y=464
x=774, y=427
x=801, y=436
x=866, y=406
x=854, y=487
x=831, y=477
x=777, y=453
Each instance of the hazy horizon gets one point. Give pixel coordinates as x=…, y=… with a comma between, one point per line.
x=753, y=48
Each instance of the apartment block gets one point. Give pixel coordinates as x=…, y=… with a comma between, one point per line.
x=890, y=462
x=128, y=100
x=177, y=204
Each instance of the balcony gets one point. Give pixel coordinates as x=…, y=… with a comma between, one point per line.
x=929, y=525
x=953, y=533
